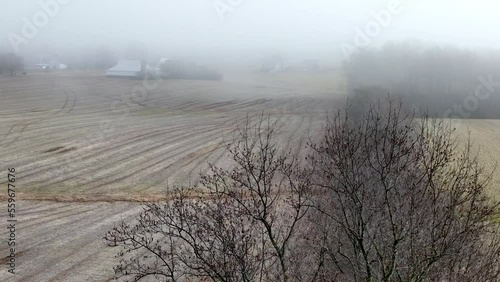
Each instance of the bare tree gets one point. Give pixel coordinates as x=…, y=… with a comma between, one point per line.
x=239, y=225
x=104, y=57
x=385, y=197
x=403, y=201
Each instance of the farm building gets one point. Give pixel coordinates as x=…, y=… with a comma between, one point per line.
x=127, y=68
x=171, y=68
x=49, y=63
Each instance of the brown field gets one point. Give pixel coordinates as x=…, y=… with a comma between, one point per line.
x=53, y=129
x=85, y=153
x=485, y=136
x=83, y=160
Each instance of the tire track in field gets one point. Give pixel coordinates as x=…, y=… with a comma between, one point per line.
x=41, y=168
x=90, y=156
x=123, y=160
x=67, y=107
x=155, y=146
x=53, y=217
x=41, y=209
x=82, y=256
x=204, y=140
x=84, y=241
x=79, y=259
x=280, y=124
x=139, y=138
x=201, y=161
x=75, y=226
x=290, y=138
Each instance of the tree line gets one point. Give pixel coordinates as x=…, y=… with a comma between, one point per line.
x=10, y=63
x=430, y=78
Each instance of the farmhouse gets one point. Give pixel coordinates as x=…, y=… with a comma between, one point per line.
x=49, y=63
x=127, y=68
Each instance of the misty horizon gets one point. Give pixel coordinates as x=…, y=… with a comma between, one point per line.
x=237, y=30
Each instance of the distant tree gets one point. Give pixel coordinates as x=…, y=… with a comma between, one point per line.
x=11, y=63
x=104, y=58
x=3, y=64
x=432, y=78
x=87, y=60
x=136, y=51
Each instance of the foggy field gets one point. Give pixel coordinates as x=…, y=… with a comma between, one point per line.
x=69, y=138
x=485, y=134
x=232, y=140
x=166, y=140
x=170, y=138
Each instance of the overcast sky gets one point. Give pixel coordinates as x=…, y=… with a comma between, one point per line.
x=306, y=27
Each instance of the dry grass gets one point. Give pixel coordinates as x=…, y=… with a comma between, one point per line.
x=485, y=135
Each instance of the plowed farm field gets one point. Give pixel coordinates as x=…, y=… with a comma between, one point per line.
x=88, y=149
